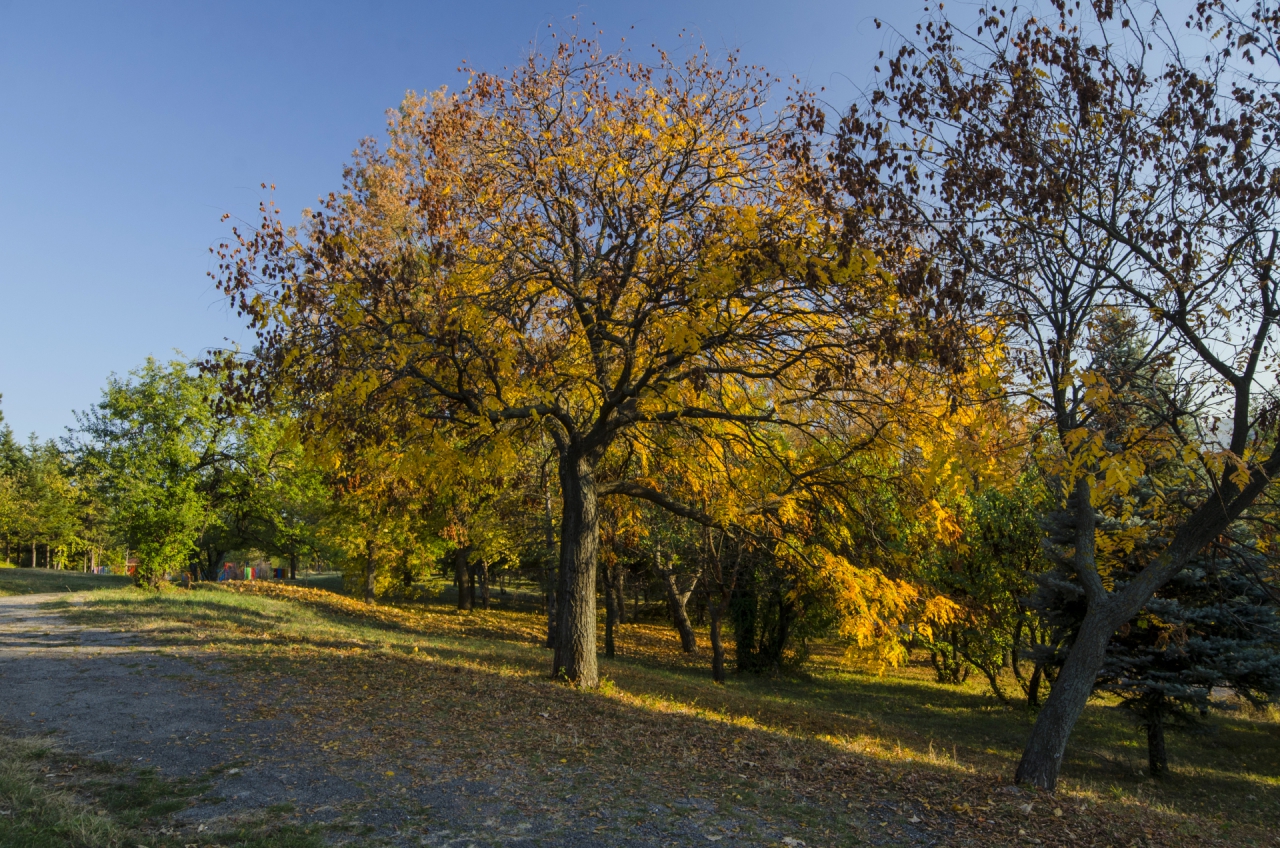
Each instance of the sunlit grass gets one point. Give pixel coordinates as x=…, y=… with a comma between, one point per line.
x=30, y=581
x=658, y=712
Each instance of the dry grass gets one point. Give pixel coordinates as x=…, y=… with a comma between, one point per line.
x=832, y=757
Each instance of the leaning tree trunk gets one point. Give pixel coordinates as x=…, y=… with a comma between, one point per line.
x=460, y=574
x=575, y=653
x=1042, y=759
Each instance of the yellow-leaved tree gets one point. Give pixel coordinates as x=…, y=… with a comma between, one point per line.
x=594, y=248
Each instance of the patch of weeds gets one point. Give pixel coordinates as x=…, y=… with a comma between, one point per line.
x=258, y=836
x=145, y=796
x=50, y=799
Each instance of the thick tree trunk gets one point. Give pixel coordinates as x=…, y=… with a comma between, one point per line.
x=1042, y=759
x=370, y=572
x=1157, y=761
x=678, y=601
x=293, y=566
x=460, y=574
x=716, y=609
x=575, y=654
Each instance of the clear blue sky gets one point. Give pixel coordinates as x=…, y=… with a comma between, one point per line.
x=126, y=130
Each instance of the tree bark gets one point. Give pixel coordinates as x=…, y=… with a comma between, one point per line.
x=620, y=592
x=1042, y=759
x=678, y=601
x=551, y=576
x=293, y=565
x=610, y=609
x=1157, y=761
x=716, y=610
x=484, y=584
x=575, y=653
x=1033, y=686
x=370, y=572
x=460, y=573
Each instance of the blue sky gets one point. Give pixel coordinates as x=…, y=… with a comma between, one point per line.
x=126, y=130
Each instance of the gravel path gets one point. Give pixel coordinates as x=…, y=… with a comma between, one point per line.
x=110, y=695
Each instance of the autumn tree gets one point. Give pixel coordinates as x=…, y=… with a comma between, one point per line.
x=1100, y=160
x=594, y=248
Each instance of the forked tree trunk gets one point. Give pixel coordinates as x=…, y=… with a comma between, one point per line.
x=679, y=602
x=575, y=653
x=460, y=574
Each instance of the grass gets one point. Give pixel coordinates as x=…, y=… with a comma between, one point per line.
x=51, y=799
x=29, y=581
x=832, y=756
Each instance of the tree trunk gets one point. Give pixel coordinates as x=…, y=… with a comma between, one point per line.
x=370, y=572
x=484, y=584
x=460, y=572
x=610, y=609
x=1033, y=686
x=551, y=581
x=620, y=592
x=575, y=654
x=293, y=565
x=1042, y=759
x=34, y=562
x=716, y=609
x=1157, y=762
x=678, y=601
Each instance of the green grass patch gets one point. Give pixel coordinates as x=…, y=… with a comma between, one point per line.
x=31, y=581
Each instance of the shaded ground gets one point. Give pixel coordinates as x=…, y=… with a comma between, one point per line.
x=423, y=726
x=115, y=696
